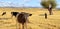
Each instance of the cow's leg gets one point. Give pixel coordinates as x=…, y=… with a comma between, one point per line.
x=27, y=21
x=26, y=25
x=22, y=25
x=19, y=26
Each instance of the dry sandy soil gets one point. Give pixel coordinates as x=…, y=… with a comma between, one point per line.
x=37, y=19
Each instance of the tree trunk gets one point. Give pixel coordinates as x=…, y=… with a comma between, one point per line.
x=50, y=11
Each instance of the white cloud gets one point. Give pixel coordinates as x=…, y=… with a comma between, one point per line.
x=26, y=0
x=8, y=4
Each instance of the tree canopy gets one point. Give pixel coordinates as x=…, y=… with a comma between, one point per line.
x=46, y=4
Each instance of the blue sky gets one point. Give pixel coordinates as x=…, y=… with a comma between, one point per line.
x=23, y=3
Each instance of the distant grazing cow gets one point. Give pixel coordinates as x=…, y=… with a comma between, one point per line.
x=14, y=13
x=23, y=18
x=45, y=15
x=3, y=13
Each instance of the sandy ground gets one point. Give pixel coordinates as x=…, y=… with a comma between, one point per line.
x=37, y=19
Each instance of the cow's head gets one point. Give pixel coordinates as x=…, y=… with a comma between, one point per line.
x=3, y=13
x=14, y=13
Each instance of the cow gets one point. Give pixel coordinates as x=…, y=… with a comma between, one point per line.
x=14, y=13
x=45, y=15
x=3, y=13
x=22, y=18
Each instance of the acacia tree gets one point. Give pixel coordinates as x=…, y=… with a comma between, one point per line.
x=49, y=4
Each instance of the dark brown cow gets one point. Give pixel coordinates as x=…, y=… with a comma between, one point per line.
x=23, y=18
x=45, y=15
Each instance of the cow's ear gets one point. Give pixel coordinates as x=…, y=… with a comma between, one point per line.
x=30, y=14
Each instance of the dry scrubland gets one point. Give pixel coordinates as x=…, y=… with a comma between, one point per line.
x=37, y=19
